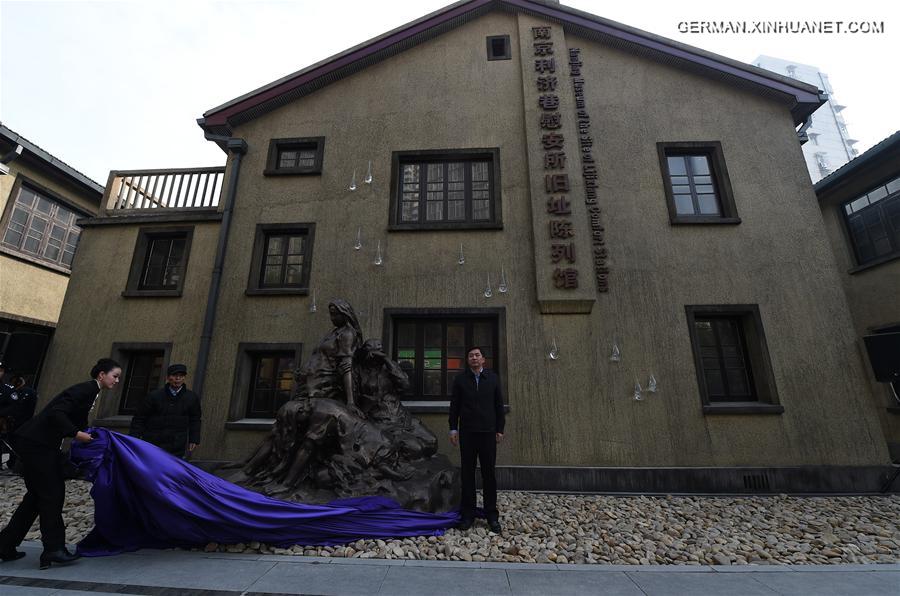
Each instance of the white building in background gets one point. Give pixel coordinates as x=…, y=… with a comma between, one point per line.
x=830, y=145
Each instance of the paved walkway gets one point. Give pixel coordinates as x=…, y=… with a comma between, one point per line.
x=176, y=573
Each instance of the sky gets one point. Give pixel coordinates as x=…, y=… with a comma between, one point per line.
x=119, y=84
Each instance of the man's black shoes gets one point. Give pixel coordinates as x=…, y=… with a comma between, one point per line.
x=494, y=525
x=60, y=557
x=465, y=524
x=13, y=555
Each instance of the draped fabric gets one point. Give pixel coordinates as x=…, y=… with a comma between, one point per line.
x=147, y=498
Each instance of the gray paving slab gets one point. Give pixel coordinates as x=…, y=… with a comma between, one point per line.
x=848, y=567
x=753, y=568
x=701, y=584
x=558, y=583
x=209, y=574
x=321, y=579
x=444, y=581
x=850, y=583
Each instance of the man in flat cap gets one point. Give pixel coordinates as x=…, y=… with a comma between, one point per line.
x=170, y=417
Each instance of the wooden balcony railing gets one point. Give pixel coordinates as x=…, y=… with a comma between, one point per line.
x=164, y=189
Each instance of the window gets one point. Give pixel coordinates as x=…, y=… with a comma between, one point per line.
x=40, y=228
x=164, y=265
x=498, y=47
x=446, y=190
x=431, y=350
x=263, y=382
x=282, y=255
x=732, y=361
x=295, y=156
x=143, y=370
x=270, y=383
x=159, y=264
x=697, y=186
x=143, y=374
x=873, y=222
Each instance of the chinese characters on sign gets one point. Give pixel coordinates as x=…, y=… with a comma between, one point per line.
x=589, y=172
x=556, y=178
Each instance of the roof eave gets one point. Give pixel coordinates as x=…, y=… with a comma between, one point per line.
x=804, y=98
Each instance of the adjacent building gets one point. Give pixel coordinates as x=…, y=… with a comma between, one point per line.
x=622, y=222
x=41, y=200
x=861, y=207
x=829, y=144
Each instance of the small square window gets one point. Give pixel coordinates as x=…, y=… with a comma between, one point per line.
x=498, y=47
x=696, y=182
x=296, y=156
x=282, y=255
x=159, y=263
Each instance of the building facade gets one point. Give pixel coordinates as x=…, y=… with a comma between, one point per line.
x=829, y=145
x=41, y=199
x=861, y=208
x=592, y=204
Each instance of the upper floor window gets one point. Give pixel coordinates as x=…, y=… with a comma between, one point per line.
x=446, y=189
x=41, y=228
x=164, y=266
x=282, y=255
x=160, y=260
x=302, y=155
x=697, y=186
x=873, y=220
x=498, y=47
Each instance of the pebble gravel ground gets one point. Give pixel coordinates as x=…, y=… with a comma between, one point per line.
x=602, y=529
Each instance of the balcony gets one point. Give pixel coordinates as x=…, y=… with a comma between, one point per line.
x=175, y=192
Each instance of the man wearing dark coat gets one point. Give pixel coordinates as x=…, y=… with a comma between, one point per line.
x=170, y=417
x=477, y=420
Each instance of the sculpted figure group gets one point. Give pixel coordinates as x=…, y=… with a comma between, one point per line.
x=345, y=433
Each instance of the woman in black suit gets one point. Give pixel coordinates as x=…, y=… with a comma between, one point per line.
x=38, y=445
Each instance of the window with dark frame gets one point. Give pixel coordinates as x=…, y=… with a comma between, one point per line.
x=873, y=223
x=731, y=359
x=295, y=156
x=270, y=383
x=723, y=359
x=164, y=264
x=160, y=261
x=498, y=47
x=281, y=261
x=692, y=184
x=41, y=227
x=696, y=181
x=284, y=256
x=143, y=371
x=446, y=191
x=432, y=351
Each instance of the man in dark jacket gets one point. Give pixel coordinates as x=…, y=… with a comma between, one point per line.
x=476, y=425
x=170, y=417
x=17, y=402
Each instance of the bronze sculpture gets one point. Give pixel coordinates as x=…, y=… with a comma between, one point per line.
x=345, y=432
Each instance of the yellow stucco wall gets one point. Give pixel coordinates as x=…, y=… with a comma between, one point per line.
x=27, y=290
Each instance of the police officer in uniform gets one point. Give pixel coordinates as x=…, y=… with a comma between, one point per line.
x=16, y=408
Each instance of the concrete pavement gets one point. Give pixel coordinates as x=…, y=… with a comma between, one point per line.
x=177, y=573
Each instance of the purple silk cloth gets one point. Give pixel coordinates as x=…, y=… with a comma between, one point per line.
x=147, y=498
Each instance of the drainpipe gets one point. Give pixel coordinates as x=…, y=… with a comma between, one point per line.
x=237, y=147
